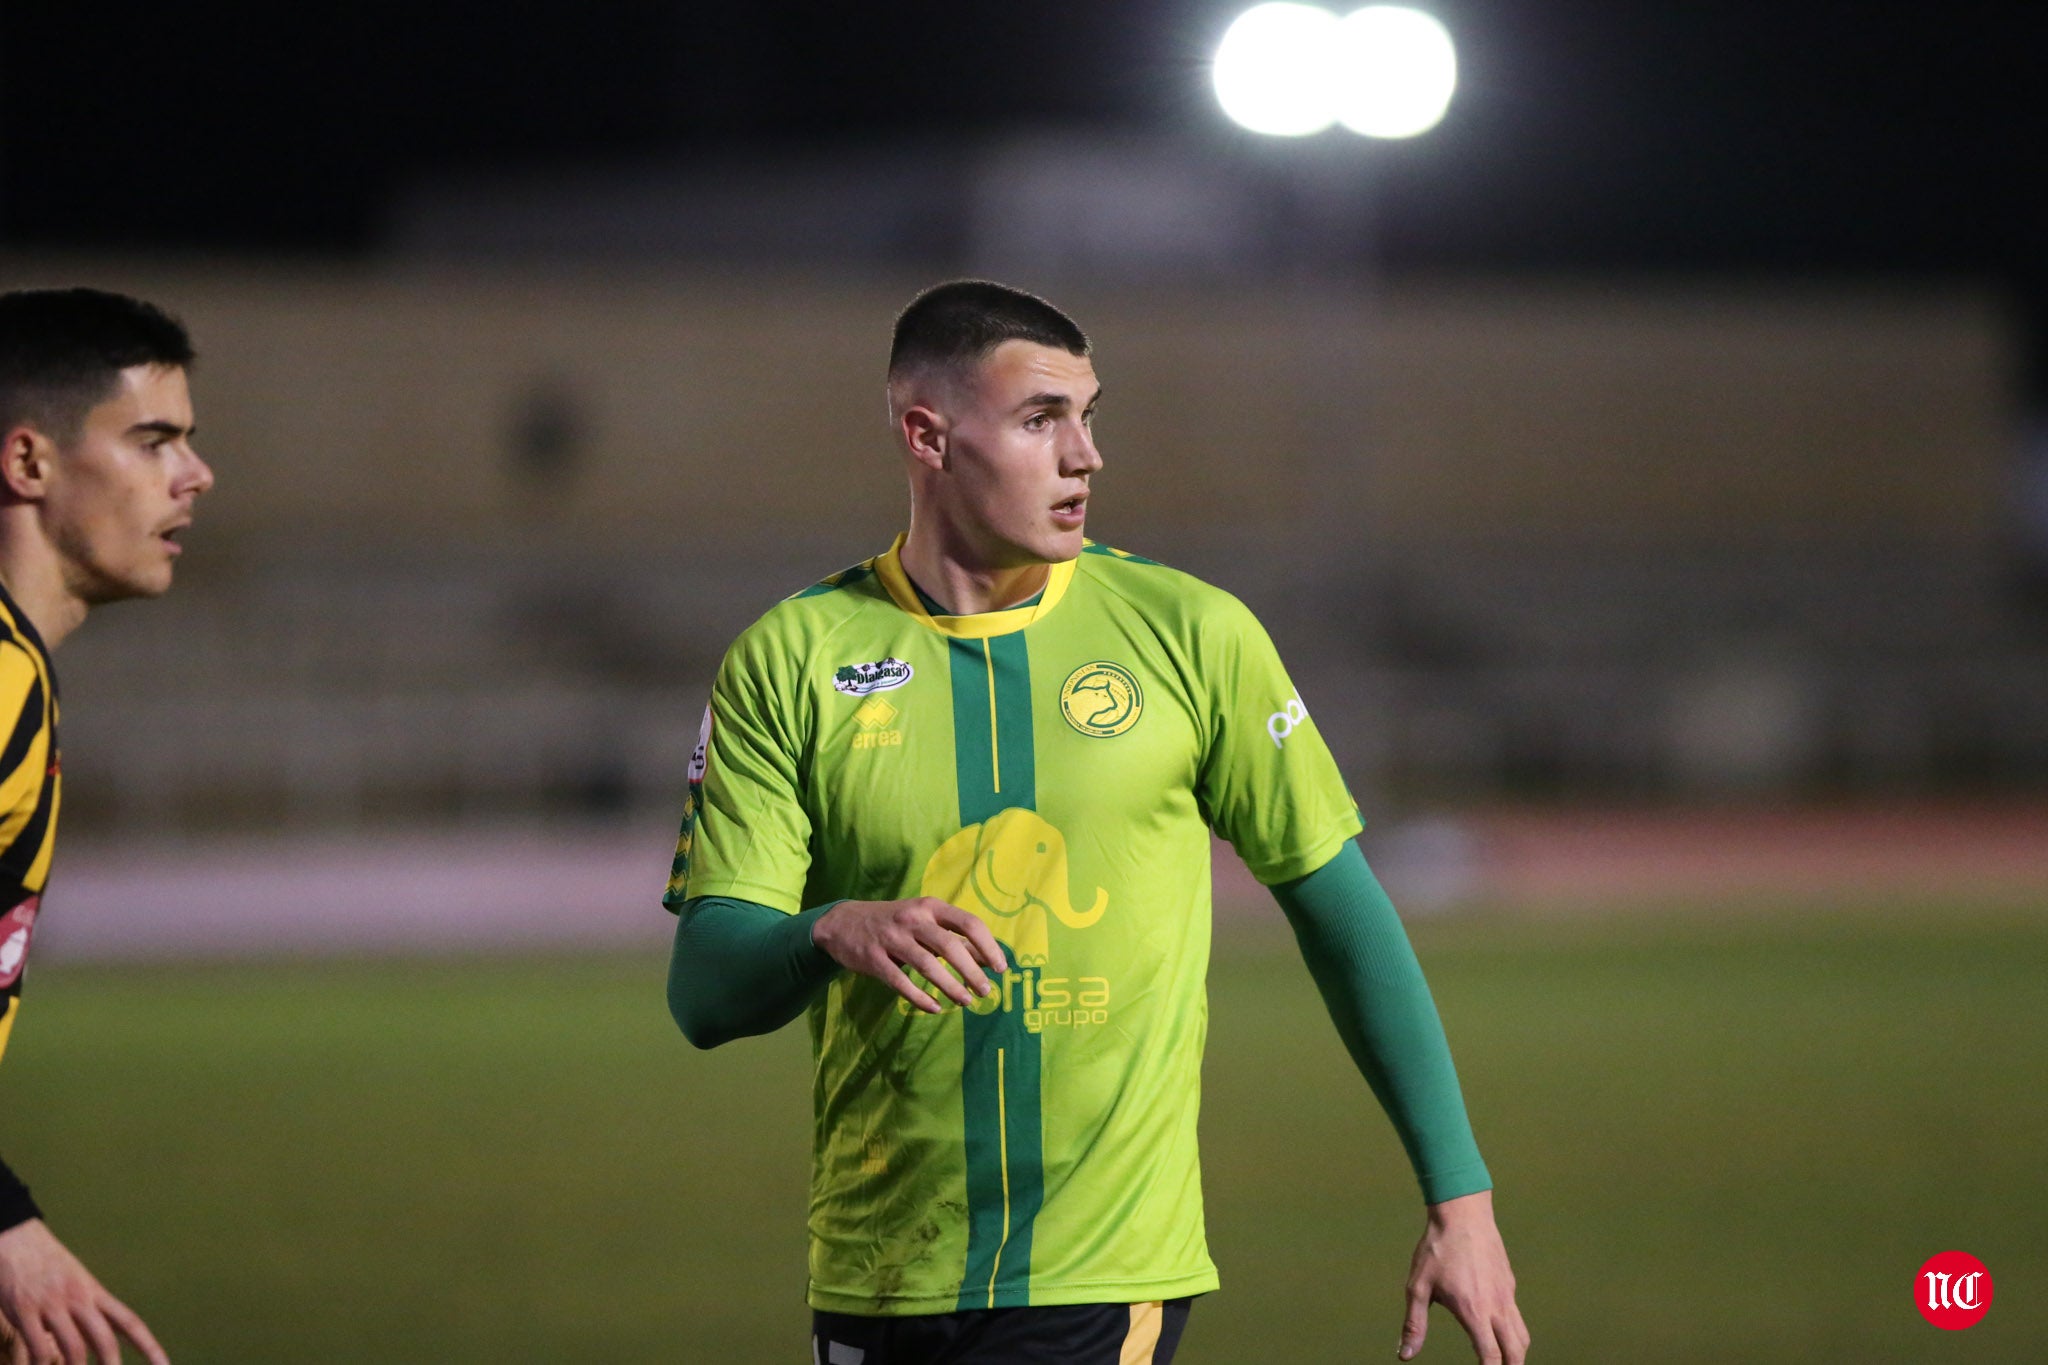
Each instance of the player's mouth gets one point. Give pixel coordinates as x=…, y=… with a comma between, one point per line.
x=1072, y=512
x=168, y=537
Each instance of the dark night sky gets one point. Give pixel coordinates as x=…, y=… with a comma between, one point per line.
x=1859, y=139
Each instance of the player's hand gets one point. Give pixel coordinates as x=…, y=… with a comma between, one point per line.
x=1462, y=1264
x=53, y=1312
x=881, y=938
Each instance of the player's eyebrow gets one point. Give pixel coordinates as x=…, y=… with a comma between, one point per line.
x=168, y=430
x=1059, y=402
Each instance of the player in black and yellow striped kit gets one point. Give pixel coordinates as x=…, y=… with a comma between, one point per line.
x=97, y=480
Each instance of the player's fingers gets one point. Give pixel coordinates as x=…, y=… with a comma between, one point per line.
x=1479, y=1325
x=976, y=933
x=954, y=949
x=1514, y=1337
x=893, y=976
x=135, y=1329
x=936, y=972
x=17, y=1349
x=61, y=1341
x=1416, y=1327
x=96, y=1330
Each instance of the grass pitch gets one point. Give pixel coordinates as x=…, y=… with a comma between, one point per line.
x=1718, y=1137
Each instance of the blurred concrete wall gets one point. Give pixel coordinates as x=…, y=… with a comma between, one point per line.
x=661, y=406
x=480, y=538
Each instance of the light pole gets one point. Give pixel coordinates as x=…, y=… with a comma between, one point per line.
x=1292, y=72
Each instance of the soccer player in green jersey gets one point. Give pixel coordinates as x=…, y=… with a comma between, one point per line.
x=954, y=805
x=97, y=480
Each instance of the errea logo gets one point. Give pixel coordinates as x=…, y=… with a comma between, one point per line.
x=1286, y=720
x=875, y=717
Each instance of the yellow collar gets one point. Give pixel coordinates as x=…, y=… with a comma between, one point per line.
x=981, y=625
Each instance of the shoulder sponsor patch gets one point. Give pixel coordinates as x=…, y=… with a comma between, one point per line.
x=17, y=927
x=883, y=675
x=700, y=757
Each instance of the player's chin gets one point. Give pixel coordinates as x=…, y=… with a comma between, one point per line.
x=1061, y=543
x=151, y=580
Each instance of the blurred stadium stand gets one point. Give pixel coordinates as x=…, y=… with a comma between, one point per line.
x=481, y=537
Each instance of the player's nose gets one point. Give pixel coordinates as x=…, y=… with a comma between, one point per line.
x=1082, y=457
x=199, y=474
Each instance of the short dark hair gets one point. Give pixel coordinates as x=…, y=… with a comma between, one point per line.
x=960, y=322
x=62, y=352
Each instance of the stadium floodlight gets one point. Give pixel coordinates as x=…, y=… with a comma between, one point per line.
x=1275, y=72
x=1291, y=70
x=1396, y=71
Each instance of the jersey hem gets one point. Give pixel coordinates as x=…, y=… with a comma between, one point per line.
x=733, y=889
x=1048, y=1296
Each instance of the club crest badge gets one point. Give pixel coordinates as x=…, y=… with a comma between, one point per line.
x=1101, y=699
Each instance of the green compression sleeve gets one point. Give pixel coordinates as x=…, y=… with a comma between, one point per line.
x=739, y=969
x=1366, y=970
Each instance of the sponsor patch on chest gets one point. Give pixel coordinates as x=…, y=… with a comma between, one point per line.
x=883, y=675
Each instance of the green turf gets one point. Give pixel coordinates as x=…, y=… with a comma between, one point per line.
x=1722, y=1140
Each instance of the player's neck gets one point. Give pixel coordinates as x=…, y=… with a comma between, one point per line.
x=34, y=578
x=951, y=573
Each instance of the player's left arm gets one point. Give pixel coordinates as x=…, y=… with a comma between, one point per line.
x=1366, y=969
x=1269, y=784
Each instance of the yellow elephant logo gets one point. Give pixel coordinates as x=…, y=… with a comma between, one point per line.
x=1010, y=872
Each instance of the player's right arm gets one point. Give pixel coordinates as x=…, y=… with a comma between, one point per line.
x=740, y=969
x=748, y=956
x=51, y=1307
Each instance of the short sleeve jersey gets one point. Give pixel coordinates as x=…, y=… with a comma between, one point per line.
x=1055, y=770
x=29, y=791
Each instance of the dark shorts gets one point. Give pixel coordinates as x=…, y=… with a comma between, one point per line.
x=1076, y=1334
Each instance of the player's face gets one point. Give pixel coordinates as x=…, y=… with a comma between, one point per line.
x=1021, y=451
x=122, y=490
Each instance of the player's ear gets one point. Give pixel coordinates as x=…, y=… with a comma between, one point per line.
x=27, y=458
x=925, y=436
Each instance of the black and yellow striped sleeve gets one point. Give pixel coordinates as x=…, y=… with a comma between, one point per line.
x=28, y=770
x=29, y=790
x=28, y=805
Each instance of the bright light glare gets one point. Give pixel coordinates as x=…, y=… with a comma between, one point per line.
x=1397, y=71
x=1289, y=70
x=1274, y=70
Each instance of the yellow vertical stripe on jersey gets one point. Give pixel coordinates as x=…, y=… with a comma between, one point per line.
x=7, y=1022
x=995, y=745
x=1147, y=1320
x=1003, y=1128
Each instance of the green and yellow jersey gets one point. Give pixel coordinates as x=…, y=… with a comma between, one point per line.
x=29, y=791
x=1054, y=769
